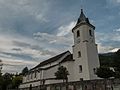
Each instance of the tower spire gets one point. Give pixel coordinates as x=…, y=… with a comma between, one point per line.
x=83, y=20
x=82, y=17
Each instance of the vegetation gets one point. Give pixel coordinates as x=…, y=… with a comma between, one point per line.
x=104, y=72
x=1, y=66
x=109, y=65
x=11, y=81
x=24, y=71
x=62, y=73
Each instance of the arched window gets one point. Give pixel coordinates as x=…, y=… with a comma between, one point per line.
x=78, y=33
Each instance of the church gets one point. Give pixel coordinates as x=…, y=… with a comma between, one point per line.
x=81, y=64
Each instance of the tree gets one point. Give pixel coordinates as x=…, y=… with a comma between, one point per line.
x=16, y=81
x=25, y=70
x=1, y=66
x=116, y=64
x=1, y=82
x=104, y=72
x=62, y=73
x=117, y=59
x=7, y=80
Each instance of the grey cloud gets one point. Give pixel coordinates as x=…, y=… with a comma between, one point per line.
x=21, y=44
x=108, y=41
x=17, y=49
x=19, y=55
x=22, y=16
x=33, y=47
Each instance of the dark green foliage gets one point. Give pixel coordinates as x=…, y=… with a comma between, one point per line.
x=104, y=72
x=11, y=81
x=25, y=70
x=117, y=64
x=109, y=60
x=62, y=73
x=106, y=59
x=7, y=79
x=1, y=82
x=16, y=81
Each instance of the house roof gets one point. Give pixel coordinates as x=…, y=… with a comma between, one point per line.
x=55, y=58
x=68, y=58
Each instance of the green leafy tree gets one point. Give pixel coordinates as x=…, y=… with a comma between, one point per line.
x=1, y=64
x=104, y=72
x=25, y=70
x=7, y=80
x=62, y=73
x=117, y=59
x=1, y=82
x=17, y=80
x=116, y=64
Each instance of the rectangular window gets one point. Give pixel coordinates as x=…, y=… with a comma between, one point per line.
x=90, y=32
x=94, y=70
x=31, y=75
x=35, y=74
x=80, y=68
x=78, y=33
x=79, y=54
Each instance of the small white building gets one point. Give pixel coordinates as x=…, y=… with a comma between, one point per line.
x=80, y=65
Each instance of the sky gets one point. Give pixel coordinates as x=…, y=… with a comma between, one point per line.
x=32, y=31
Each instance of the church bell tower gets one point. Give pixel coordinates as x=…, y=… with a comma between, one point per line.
x=85, y=51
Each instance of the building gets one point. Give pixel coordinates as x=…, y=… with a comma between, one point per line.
x=81, y=64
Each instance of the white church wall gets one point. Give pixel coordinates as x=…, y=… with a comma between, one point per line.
x=49, y=73
x=93, y=61
x=69, y=65
x=82, y=46
x=80, y=61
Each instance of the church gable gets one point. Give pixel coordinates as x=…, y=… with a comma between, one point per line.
x=61, y=58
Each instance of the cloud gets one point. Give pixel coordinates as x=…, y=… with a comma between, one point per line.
x=23, y=50
x=52, y=39
x=108, y=42
x=118, y=30
x=16, y=49
x=23, y=16
x=118, y=1
x=33, y=30
x=16, y=65
x=113, y=3
x=61, y=40
x=65, y=29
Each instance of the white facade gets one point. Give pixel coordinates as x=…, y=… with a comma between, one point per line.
x=81, y=66
x=85, y=45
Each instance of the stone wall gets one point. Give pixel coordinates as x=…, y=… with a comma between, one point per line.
x=103, y=84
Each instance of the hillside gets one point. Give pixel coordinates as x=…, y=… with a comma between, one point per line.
x=110, y=59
